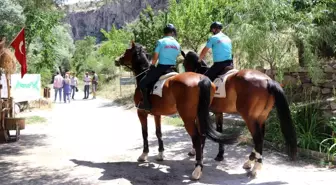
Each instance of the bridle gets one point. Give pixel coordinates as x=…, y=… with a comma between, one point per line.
x=130, y=67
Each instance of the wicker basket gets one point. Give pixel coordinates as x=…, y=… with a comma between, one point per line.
x=7, y=61
x=10, y=123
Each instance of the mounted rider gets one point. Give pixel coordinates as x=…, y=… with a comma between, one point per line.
x=167, y=49
x=221, y=51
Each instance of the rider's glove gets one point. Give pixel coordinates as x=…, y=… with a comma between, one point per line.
x=151, y=66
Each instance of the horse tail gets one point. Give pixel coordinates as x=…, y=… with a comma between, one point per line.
x=286, y=122
x=206, y=128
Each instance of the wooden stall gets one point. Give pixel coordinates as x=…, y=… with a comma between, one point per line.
x=8, y=122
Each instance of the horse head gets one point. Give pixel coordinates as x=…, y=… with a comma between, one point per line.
x=191, y=63
x=135, y=58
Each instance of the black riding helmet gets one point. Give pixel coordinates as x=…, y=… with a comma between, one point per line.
x=216, y=25
x=169, y=28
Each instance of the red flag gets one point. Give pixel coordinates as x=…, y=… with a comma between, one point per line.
x=20, y=51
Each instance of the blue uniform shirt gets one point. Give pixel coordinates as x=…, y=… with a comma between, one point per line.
x=221, y=47
x=168, y=49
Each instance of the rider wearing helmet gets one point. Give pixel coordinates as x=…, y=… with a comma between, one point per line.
x=221, y=51
x=167, y=49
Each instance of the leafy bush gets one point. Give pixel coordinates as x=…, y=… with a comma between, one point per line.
x=328, y=145
x=309, y=124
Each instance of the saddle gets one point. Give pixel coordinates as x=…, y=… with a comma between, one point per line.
x=221, y=79
x=158, y=85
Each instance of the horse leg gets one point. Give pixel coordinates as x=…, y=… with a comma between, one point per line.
x=143, y=119
x=257, y=130
x=159, y=136
x=192, y=152
x=219, y=128
x=198, y=142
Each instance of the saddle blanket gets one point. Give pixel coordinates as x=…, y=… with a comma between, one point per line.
x=158, y=86
x=220, y=83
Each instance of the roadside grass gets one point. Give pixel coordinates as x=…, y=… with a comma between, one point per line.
x=36, y=120
x=121, y=95
x=174, y=120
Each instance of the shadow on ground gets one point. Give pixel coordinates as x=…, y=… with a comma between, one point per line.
x=25, y=142
x=118, y=103
x=14, y=173
x=164, y=173
x=177, y=167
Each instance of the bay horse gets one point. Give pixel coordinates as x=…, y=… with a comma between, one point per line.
x=188, y=94
x=252, y=94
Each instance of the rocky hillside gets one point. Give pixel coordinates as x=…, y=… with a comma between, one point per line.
x=88, y=22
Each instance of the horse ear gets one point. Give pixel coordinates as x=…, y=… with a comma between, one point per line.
x=132, y=44
x=183, y=54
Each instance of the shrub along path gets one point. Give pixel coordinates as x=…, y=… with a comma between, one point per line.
x=96, y=142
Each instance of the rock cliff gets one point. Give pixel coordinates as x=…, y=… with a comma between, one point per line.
x=89, y=22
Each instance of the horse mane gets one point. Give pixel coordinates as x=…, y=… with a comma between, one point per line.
x=140, y=59
x=192, y=59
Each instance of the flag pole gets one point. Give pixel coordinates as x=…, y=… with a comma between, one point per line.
x=17, y=36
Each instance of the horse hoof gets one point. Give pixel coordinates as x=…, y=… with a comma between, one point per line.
x=219, y=158
x=192, y=153
x=257, y=167
x=252, y=174
x=143, y=157
x=197, y=173
x=247, y=165
x=159, y=157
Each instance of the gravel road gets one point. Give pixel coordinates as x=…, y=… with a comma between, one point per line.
x=96, y=142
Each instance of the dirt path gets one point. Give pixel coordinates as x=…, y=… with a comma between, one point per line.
x=94, y=142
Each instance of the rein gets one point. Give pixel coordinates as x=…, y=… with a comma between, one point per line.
x=130, y=68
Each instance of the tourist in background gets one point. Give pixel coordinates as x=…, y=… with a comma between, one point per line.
x=87, y=81
x=94, y=84
x=74, y=85
x=58, y=85
x=66, y=88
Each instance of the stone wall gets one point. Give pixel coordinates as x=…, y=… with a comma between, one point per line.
x=299, y=86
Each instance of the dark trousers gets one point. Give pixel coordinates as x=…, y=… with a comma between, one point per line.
x=59, y=92
x=73, y=89
x=86, y=91
x=217, y=68
x=153, y=75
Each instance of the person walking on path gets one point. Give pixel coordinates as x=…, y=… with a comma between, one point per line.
x=74, y=84
x=58, y=85
x=66, y=88
x=94, y=84
x=87, y=81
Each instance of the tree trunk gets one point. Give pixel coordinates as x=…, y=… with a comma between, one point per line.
x=300, y=46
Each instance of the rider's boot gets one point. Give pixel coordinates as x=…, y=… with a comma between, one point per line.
x=145, y=104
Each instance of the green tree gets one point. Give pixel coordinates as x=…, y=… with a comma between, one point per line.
x=149, y=28
x=192, y=18
x=261, y=33
x=12, y=19
x=117, y=42
x=83, y=54
x=42, y=16
x=64, y=47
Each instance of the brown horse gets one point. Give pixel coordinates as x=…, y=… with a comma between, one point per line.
x=189, y=94
x=252, y=94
